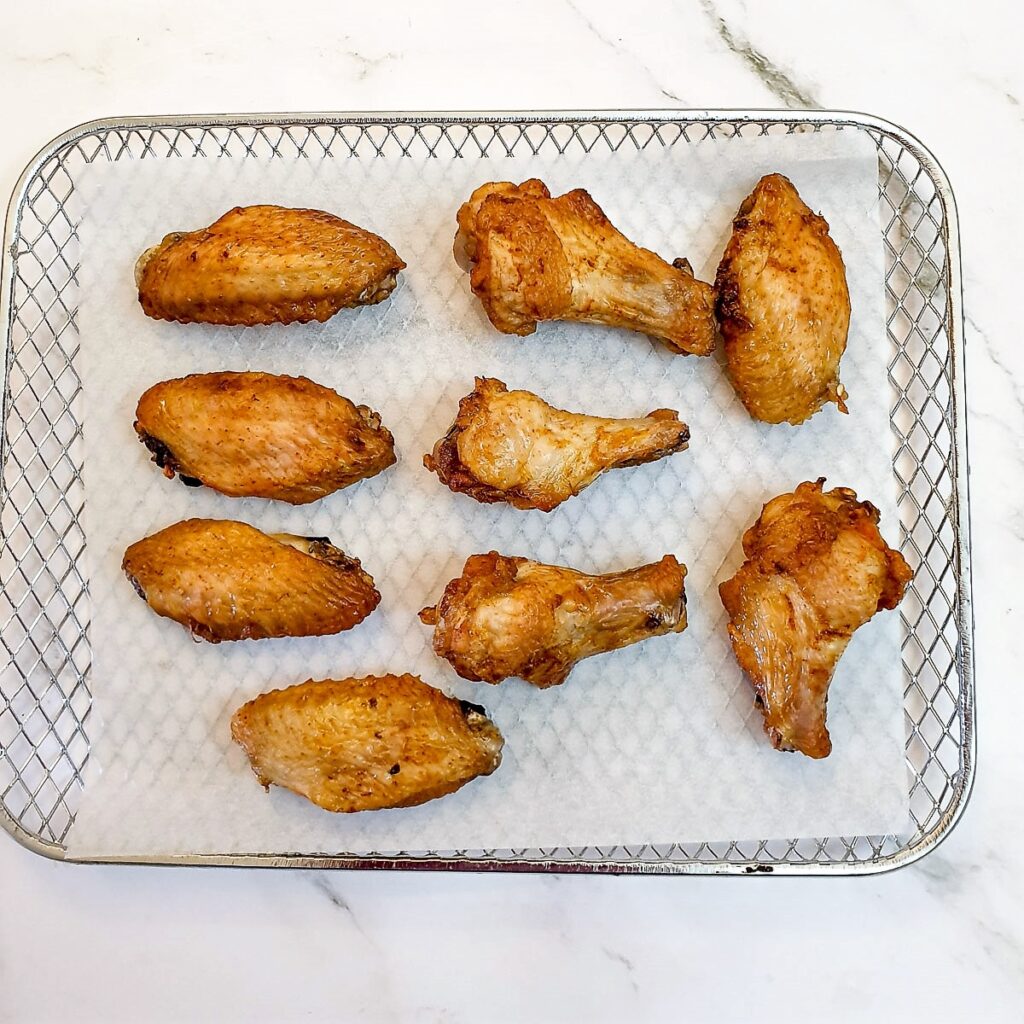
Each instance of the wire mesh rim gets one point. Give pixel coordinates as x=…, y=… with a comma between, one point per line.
x=951, y=321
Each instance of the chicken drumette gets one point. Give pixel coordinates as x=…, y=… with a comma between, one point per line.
x=512, y=617
x=817, y=569
x=512, y=446
x=538, y=258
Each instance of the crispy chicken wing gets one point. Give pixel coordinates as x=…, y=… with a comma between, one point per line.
x=224, y=580
x=539, y=258
x=512, y=617
x=816, y=569
x=512, y=446
x=783, y=305
x=265, y=265
x=261, y=435
x=364, y=744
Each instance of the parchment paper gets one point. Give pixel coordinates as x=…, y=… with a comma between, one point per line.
x=655, y=743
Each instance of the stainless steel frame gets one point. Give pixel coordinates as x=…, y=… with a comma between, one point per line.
x=44, y=606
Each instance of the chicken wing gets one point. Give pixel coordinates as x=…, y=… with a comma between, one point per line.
x=816, y=569
x=224, y=580
x=364, y=744
x=261, y=435
x=512, y=617
x=265, y=265
x=539, y=258
x=512, y=446
x=783, y=305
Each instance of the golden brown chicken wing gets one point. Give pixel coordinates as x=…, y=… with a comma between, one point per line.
x=539, y=258
x=783, y=305
x=512, y=617
x=265, y=265
x=261, y=435
x=816, y=569
x=224, y=580
x=364, y=744
x=512, y=446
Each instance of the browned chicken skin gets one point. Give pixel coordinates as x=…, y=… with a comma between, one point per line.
x=265, y=265
x=512, y=446
x=539, y=258
x=512, y=617
x=261, y=435
x=364, y=744
x=783, y=305
x=816, y=569
x=224, y=580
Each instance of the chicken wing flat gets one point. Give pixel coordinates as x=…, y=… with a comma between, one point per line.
x=538, y=258
x=512, y=617
x=816, y=569
x=261, y=435
x=364, y=744
x=265, y=265
x=512, y=446
x=224, y=580
x=783, y=305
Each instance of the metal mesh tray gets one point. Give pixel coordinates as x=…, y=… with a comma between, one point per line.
x=44, y=600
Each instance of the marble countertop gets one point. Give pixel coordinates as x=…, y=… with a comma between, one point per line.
x=940, y=940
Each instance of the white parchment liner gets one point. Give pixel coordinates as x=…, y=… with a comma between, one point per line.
x=656, y=743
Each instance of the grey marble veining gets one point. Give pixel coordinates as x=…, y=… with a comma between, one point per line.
x=778, y=82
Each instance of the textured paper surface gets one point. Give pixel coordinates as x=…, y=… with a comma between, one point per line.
x=655, y=743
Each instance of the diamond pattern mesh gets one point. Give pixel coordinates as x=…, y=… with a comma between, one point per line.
x=44, y=601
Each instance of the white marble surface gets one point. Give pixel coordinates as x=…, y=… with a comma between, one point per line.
x=941, y=940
